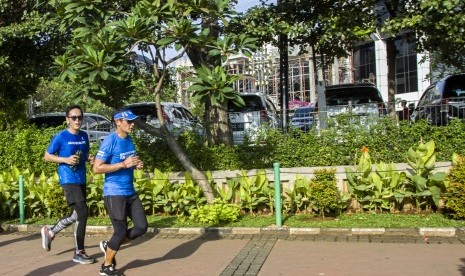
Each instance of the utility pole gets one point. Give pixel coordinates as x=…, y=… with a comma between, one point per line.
x=283, y=72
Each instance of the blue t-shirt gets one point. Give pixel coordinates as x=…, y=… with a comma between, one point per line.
x=65, y=144
x=115, y=149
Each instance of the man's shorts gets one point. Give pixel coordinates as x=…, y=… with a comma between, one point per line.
x=120, y=207
x=74, y=193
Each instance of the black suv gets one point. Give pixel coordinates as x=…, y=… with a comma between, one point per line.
x=442, y=101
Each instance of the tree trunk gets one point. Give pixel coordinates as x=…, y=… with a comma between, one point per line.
x=392, y=8
x=220, y=129
x=391, y=63
x=196, y=174
x=216, y=118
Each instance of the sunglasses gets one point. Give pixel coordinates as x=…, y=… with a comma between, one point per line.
x=130, y=122
x=74, y=118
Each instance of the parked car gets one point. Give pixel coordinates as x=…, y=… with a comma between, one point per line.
x=258, y=111
x=177, y=117
x=303, y=118
x=442, y=101
x=362, y=101
x=96, y=125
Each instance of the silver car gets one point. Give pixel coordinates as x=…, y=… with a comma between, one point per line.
x=258, y=112
x=96, y=125
x=177, y=117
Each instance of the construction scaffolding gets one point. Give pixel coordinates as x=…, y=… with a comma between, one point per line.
x=260, y=74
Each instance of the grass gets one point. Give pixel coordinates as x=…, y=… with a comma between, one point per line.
x=302, y=221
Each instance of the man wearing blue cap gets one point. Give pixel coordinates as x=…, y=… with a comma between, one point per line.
x=117, y=159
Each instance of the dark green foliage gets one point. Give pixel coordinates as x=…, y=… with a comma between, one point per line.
x=333, y=147
x=25, y=148
x=454, y=198
x=336, y=146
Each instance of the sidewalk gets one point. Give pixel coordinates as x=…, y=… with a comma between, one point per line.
x=264, y=252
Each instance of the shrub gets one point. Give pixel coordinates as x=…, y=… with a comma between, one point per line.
x=454, y=198
x=324, y=194
x=57, y=205
x=216, y=213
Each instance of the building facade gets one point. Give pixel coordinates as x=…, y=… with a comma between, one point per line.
x=366, y=63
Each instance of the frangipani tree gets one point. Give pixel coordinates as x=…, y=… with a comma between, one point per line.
x=105, y=34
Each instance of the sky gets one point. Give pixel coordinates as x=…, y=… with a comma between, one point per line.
x=244, y=5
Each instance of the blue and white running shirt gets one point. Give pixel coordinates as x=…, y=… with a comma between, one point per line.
x=65, y=144
x=115, y=149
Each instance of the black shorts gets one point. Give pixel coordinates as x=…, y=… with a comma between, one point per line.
x=122, y=207
x=74, y=193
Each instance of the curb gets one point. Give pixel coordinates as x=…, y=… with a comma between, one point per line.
x=421, y=231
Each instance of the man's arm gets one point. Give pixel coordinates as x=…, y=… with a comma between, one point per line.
x=71, y=160
x=101, y=167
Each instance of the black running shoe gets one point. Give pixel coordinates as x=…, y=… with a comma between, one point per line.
x=46, y=239
x=109, y=270
x=103, y=247
x=82, y=258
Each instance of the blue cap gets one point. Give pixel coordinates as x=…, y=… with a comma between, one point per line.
x=126, y=115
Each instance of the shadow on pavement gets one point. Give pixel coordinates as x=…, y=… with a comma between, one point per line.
x=182, y=251
x=23, y=238
x=462, y=267
x=61, y=266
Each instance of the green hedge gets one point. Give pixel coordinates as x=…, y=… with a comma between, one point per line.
x=387, y=141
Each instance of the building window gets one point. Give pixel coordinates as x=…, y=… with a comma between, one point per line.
x=364, y=63
x=406, y=67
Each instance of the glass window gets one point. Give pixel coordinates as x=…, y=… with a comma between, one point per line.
x=364, y=62
x=406, y=67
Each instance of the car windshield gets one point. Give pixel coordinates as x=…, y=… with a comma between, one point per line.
x=303, y=112
x=252, y=103
x=48, y=121
x=455, y=87
x=357, y=95
x=144, y=110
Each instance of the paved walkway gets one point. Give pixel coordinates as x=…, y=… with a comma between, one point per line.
x=269, y=254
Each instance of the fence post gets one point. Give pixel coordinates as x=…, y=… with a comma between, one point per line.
x=21, y=200
x=277, y=194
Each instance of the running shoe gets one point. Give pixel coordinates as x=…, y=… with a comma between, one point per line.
x=109, y=270
x=46, y=239
x=82, y=258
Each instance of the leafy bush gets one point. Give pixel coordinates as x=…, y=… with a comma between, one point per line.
x=57, y=205
x=324, y=194
x=454, y=198
x=216, y=213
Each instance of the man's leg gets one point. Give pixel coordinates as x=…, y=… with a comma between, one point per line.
x=137, y=215
x=48, y=234
x=80, y=255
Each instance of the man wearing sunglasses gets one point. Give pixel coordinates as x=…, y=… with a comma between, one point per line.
x=69, y=148
x=117, y=159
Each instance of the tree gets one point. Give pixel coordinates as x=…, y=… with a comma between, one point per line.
x=27, y=47
x=104, y=35
x=328, y=27
x=438, y=27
